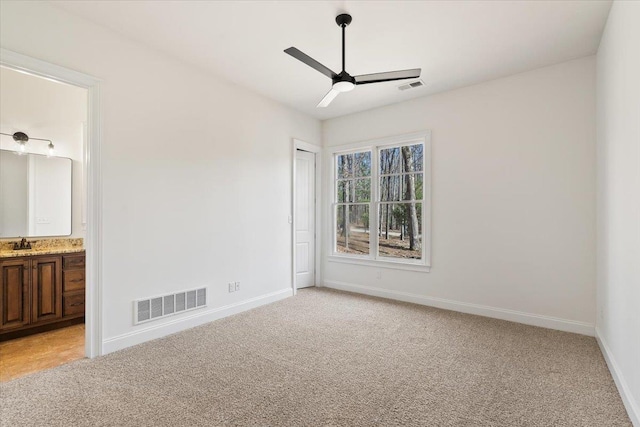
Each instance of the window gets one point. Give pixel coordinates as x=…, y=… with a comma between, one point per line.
x=380, y=202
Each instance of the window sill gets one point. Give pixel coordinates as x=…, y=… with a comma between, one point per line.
x=379, y=263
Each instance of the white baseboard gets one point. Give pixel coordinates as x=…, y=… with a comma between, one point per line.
x=623, y=388
x=582, y=328
x=195, y=319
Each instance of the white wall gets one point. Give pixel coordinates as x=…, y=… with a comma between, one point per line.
x=618, y=97
x=513, y=197
x=50, y=110
x=196, y=171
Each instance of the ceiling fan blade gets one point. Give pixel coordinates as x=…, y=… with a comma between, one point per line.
x=388, y=76
x=328, y=98
x=300, y=56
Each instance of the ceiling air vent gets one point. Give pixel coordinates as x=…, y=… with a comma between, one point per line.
x=411, y=85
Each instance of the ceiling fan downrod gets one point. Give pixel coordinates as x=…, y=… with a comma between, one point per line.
x=343, y=20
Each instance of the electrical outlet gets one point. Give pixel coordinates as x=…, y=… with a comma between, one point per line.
x=232, y=287
x=237, y=286
x=379, y=274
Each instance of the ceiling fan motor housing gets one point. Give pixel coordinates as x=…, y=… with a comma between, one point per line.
x=343, y=82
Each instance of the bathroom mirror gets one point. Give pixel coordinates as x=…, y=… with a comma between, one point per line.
x=35, y=195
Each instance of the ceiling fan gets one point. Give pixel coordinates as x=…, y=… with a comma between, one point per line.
x=344, y=82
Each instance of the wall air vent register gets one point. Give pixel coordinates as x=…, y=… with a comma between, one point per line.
x=147, y=309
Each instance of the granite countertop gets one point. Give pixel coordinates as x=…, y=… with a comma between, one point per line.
x=42, y=247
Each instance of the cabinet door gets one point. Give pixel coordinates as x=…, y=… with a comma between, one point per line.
x=14, y=301
x=46, y=288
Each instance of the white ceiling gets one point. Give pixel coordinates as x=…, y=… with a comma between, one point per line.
x=456, y=43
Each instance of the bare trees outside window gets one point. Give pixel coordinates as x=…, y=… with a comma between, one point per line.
x=379, y=196
x=400, y=208
x=353, y=197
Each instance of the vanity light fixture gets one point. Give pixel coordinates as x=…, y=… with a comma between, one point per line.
x=22, y=138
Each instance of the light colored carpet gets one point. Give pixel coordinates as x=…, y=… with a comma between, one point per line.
x=332, y=358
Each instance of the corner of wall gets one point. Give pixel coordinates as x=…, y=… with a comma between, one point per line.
x=618, y=378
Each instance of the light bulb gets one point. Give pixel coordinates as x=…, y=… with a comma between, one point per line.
x=51, y=149
x=22, y=146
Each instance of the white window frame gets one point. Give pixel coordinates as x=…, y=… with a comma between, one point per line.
x=373, y=258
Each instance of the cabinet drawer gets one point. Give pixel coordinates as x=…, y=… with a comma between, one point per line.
x=73, y=304
x=73, y=281
x=71, y=262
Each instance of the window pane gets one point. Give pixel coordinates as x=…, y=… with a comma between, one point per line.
x=400, y=234
x=390, y=161
x=355, y=164
x=345, y=191
x=362, y=190
x=401, y=187
x=412, y=186
x=354, y=190
x=412, y=158
x=391, y=188
x=344, y=166
x=362, y=163
x=352, y=229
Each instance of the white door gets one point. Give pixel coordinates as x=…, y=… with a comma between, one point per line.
x=305, y=218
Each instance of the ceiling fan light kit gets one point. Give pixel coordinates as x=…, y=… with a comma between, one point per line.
x=343, y=81
x=343, y=86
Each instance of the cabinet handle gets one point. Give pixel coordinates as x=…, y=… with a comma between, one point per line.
x=76, y=280
x=76, y=304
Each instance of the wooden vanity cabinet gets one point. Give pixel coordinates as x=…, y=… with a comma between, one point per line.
x=41, y=291
x=46, y=288
x=15, y=281
x=73, y=286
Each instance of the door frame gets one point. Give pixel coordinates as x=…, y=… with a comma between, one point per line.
x=317, y=151
x=93, y=190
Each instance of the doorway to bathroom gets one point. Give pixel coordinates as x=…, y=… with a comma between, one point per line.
x=49, y=216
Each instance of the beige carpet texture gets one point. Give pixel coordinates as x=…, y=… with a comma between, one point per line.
x=330, y=358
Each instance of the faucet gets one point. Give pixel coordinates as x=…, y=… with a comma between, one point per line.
x=23, y=245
